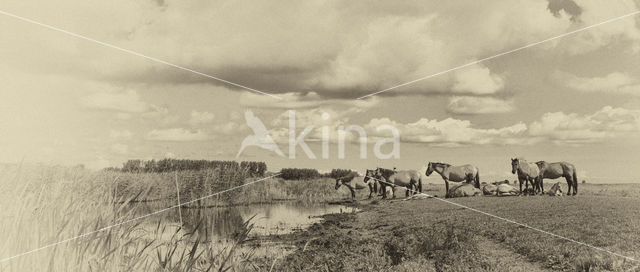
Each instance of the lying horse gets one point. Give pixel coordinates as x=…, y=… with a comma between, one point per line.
x=555, y=170
x=527, y=172
x=410, y=179
x=354, y=182
x=555, y=190
x=459, y=173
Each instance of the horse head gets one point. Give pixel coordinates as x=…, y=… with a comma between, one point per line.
x=338, y=183
x=515, y=164
x=369, y=174
x=429, y=169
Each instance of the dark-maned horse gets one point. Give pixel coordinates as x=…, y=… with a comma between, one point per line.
x=410, y=179
x=355, y=182
x=370, y=177
x=459, y=173
x=527, y=172
x=556, y=170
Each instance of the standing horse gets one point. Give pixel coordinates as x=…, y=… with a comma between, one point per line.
x=459, y=173
x=528, y=172
x=354, y=182
x=410, y=179
x=555, y=170
x=370, y=176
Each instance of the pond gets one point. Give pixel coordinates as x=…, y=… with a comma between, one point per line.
x=220, y=224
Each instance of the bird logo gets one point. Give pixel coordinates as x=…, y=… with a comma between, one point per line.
x=260, y=137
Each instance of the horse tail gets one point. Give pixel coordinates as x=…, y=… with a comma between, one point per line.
x=575, y=181
x=477, y=178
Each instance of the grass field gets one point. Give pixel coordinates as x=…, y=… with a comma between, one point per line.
x=43, y=205
x=431, y=235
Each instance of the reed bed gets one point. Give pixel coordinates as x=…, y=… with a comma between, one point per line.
x=42, y=205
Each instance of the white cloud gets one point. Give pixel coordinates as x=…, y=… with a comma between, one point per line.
x=477, y=79
x=177, y=135
x=450, y=132
x=624, y=30
x=200, y=118
x=614, y=82
x=478, y=105
x=576, y=129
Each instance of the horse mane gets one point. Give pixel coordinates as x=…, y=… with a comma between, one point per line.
x=441, y=164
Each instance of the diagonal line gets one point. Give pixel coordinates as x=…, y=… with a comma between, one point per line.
x=515, y=222
x=134, y=53
x=131, y=220
x=502, y=54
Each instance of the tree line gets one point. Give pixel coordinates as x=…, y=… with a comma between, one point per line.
x=309, y=173
x=253, y=168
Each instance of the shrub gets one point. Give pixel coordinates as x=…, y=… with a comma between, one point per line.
x=299, y=173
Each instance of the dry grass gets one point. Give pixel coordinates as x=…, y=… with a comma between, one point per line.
x=43, y=205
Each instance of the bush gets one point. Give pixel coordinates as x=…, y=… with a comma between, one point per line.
x=299, y=173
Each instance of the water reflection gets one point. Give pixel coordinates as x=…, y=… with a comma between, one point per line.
x=223, y=224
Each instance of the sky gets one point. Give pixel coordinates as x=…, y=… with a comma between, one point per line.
x=65, y=100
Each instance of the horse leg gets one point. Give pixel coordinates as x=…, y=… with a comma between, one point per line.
x=446, y=185
x=353, y=192
x=541, y=184
x=569, y=184
x=520, y=181
x=370, y=191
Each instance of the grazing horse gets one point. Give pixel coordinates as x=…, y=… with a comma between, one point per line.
x=409, y=179
x=459, y=173
x=555, y=170
x=527, y=172
x=354, y=182
x=370, y=176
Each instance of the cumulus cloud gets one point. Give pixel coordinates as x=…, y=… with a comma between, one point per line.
x=177, y=135
x=451, y=132
x=477, y=80
x=199, y=118
x=330, y=47
x=614, y=82
x=572, y=128
x=478, y=105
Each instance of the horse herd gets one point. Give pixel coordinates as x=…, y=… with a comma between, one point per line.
x=389, y=179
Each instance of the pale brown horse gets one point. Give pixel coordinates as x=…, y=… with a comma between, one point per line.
x=527, y=172
x=355, y=182
x=458, y=173
x=410, y=179
x=556, y=170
